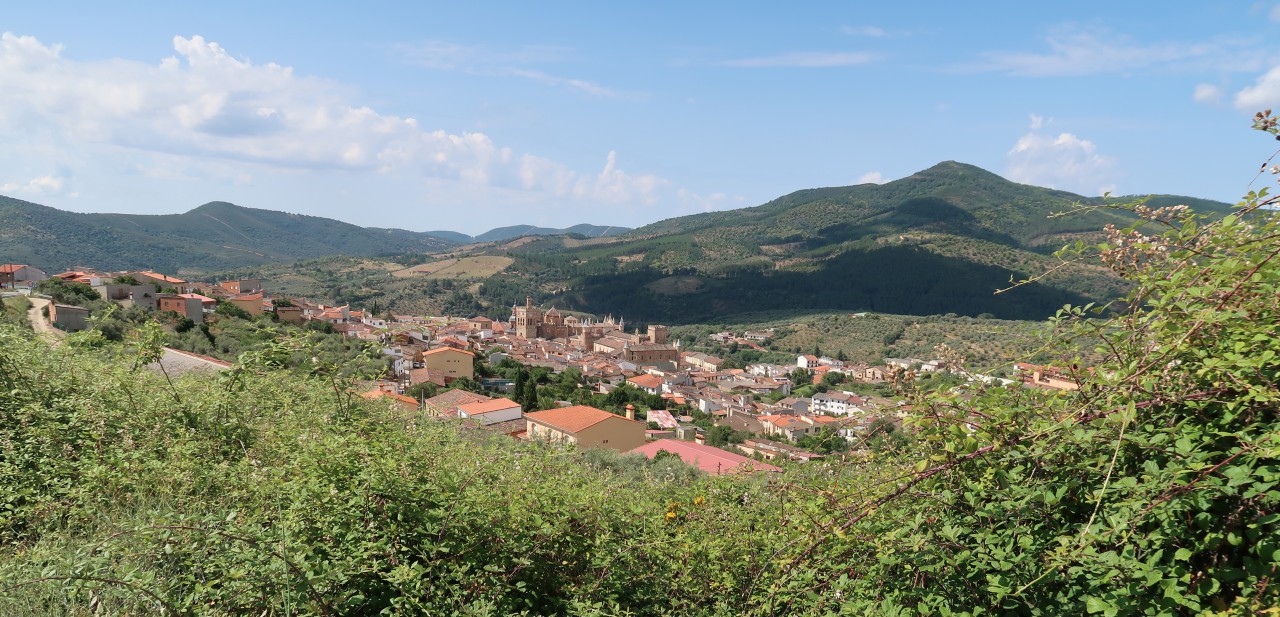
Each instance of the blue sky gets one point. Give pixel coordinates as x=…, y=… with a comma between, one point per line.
x=426, y=116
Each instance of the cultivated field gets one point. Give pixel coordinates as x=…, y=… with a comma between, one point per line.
x=481, y=266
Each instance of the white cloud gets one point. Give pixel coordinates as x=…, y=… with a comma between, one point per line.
x=1037, y=122
x=206, y=105
x=1274, y=14
x=1073, y=51
x=869, y=31
x=871, y=177
x=1207, y=93
x=816, y=59
x=43, y=185
x=1063, y=161
x=1264, y=93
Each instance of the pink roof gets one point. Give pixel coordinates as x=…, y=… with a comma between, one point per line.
x=197, y=297
x=711, y=460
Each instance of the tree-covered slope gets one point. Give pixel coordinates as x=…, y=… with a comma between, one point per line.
x=939, y=241
x=214, y=236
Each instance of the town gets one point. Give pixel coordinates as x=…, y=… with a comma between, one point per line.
x=662, y=395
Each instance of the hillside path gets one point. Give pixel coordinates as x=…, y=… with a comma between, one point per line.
x=38, y=322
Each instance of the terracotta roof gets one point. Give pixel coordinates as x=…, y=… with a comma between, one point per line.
x=162, y=277
x=11, y=268
x=483, y=407
x=646, y=381
x=376, y=394
x=197, y=297
x=711, y=460
x=573, y=419
x=456, y=397
x=253, y=296
x=444, y=349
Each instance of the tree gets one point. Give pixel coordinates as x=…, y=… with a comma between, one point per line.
x=800, y=377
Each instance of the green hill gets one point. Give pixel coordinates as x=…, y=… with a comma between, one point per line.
x=942, y=240
x=515, y=231
x=215, y=236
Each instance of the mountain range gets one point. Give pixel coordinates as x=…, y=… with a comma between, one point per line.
x=942, y=240
x=215, y=236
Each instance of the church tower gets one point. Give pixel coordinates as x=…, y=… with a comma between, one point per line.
x=528, y=317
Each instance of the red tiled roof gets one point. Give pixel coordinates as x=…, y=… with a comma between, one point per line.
x=646, y=381
x=444, y=349
x=376, y=394
x=454, y=398
x=573, y=419
x=483, y=407
x=162, y=277
x=11, y=268
x=711, y=460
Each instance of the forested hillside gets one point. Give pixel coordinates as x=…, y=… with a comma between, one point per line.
x=943, y=240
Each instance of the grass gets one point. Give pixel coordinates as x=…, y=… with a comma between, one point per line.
x=480, y=266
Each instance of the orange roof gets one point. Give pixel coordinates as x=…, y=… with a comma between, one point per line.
x=456, y=397
x=375, y=394
x=162, y=277
x=197, y=297
x=444, y=349
x=646, y=381
x=483, y=407
x=11, y=268
x=252, y=296
x=574, y=419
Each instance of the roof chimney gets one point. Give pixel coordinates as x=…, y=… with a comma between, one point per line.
x=631, y=411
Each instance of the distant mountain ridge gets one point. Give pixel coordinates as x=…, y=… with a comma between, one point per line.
x=215, y=236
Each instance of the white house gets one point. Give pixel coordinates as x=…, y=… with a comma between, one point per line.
x=491, y=412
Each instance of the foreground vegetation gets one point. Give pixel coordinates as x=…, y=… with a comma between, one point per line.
x=1154, y=489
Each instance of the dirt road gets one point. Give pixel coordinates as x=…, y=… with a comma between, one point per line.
x=38, y=321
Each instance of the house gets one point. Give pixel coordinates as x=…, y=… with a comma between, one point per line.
x=1047, y=377
x=69, y=318
x=446, y=405
x=792, y=406
x=251, y=303
x=771, y=450
x=649, y=383
x=241, y=286
x=807, y=362
x=701, y=361
x=402, y=401
x=492, y=411
x=190, y=307
x=757, y=335
x=586, y=427
x=791, y=427
x=452, y=363
x=20, y=275
x=128, y=295
x=839, y=403
x=161, y=281
x=712, y=460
